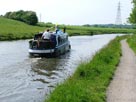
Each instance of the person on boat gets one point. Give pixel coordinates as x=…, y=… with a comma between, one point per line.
x=58, y=31
x=37, y=38
x=64, y=29
x=56, y=28
x=46, y=35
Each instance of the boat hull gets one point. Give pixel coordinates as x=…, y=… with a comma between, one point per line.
x=54, y=52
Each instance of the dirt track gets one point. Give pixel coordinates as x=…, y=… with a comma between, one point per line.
x=123, y=85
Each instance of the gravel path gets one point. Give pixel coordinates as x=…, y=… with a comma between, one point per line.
x=123, y=85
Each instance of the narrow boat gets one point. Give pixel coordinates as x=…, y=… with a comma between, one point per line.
x=57, y=44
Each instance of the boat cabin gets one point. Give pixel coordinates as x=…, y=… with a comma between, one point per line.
x=56, y=45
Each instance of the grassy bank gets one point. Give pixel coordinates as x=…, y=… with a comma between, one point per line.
x=80, y=30
x=90, y=81
x=132, y=42
x=12, y=30
x=90, y=30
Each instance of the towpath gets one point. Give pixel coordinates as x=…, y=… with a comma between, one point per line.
x=123, y=86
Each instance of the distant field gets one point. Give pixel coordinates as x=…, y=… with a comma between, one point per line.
x=13, y=30
x=79, y=30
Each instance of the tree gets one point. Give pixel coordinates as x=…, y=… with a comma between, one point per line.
x=86, y=25
x=7, y=14
x=19, y=15
x=28, y=17
x=132, y=18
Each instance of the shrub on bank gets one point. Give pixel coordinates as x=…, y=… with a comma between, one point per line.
x=90, y=81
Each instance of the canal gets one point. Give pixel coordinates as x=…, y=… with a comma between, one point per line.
x=25, y=79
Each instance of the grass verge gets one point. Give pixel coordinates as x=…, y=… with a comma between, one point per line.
x=90, y=81
x=132, y=42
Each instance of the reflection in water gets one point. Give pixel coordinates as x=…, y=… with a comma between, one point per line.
x=25, y=79
x=41, y=80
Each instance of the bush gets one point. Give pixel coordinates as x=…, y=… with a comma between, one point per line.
x=28, y=17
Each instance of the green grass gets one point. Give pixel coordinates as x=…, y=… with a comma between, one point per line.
x=90, y=81
x=132, y=42
x=12, y=29
x=79, y=30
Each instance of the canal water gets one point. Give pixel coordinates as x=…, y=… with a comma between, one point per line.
x=25, y=79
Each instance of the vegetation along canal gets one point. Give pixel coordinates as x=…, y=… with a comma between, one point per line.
x=25, y=79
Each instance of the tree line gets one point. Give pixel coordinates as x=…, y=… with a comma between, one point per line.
x=28, y=17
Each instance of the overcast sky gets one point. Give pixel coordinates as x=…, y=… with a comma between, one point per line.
x=75, y=12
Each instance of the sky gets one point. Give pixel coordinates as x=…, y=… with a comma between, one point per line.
x=72, y=12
